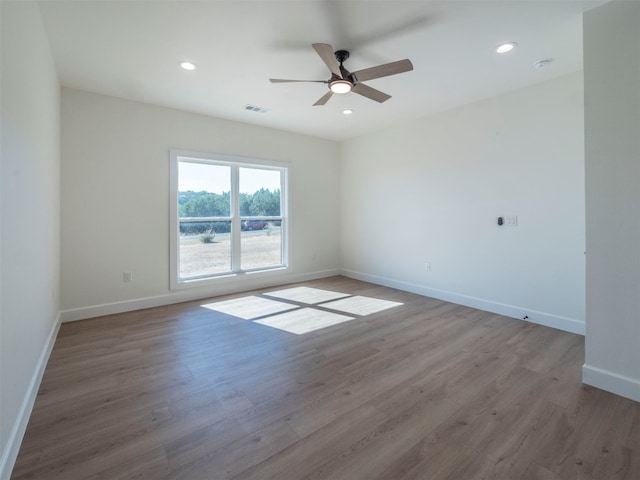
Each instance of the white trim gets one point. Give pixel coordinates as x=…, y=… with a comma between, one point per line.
x=205, y=157
x=10, y=453
x=240, y=283
x=622, y=385
x=542, y=318
x=174, y=234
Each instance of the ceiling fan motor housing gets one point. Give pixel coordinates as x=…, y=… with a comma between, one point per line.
x=341, y=56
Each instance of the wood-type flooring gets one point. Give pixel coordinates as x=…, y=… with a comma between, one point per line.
x=426, y=390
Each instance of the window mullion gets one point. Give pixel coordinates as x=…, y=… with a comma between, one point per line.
x=236, y=230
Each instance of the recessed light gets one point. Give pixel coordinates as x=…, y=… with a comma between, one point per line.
x=347, y=111
x=185, y=65
x=506, y=47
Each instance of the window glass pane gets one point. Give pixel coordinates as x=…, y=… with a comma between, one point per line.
x=259, y=192
x=203, y=190
x=205, y=248
x=261, y=247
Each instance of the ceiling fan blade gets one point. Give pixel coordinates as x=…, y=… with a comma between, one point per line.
x=285, y=80
x=385, y=70
x=325, y=98
x=394, y=28
x=372, y=93
x=328, y=57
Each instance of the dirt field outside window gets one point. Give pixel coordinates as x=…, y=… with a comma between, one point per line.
x=259, y=249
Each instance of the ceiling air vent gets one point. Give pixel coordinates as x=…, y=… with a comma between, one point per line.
x=253, y=108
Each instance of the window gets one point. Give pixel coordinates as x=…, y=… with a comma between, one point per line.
x=228, y=217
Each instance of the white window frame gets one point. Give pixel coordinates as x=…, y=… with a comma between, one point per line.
x=236, y=162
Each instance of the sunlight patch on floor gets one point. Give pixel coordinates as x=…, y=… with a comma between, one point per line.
x=304, y=320
x=299, y=319
x=249, y=308
x=306, y=295
x=358, y=305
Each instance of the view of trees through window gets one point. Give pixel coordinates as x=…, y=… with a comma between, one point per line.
x=229, y=218
x=263, y=203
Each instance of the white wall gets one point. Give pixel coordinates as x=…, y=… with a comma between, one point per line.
x=431, y=191
x=30, y=218
x=115, y=199
x=612, y=131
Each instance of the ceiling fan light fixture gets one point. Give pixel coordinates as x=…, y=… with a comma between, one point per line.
x=340, y=86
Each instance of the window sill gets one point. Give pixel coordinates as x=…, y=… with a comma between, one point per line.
x=238, y=277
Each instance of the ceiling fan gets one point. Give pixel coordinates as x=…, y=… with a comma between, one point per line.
x=344, y=81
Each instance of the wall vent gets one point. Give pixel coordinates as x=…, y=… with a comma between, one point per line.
x=253, y=108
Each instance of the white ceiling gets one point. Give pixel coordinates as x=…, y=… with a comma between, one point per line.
x=131, y=49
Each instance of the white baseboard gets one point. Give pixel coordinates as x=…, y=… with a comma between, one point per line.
x=10, y=453
x=542, y=318
x=231, y=285
x=611, y=382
